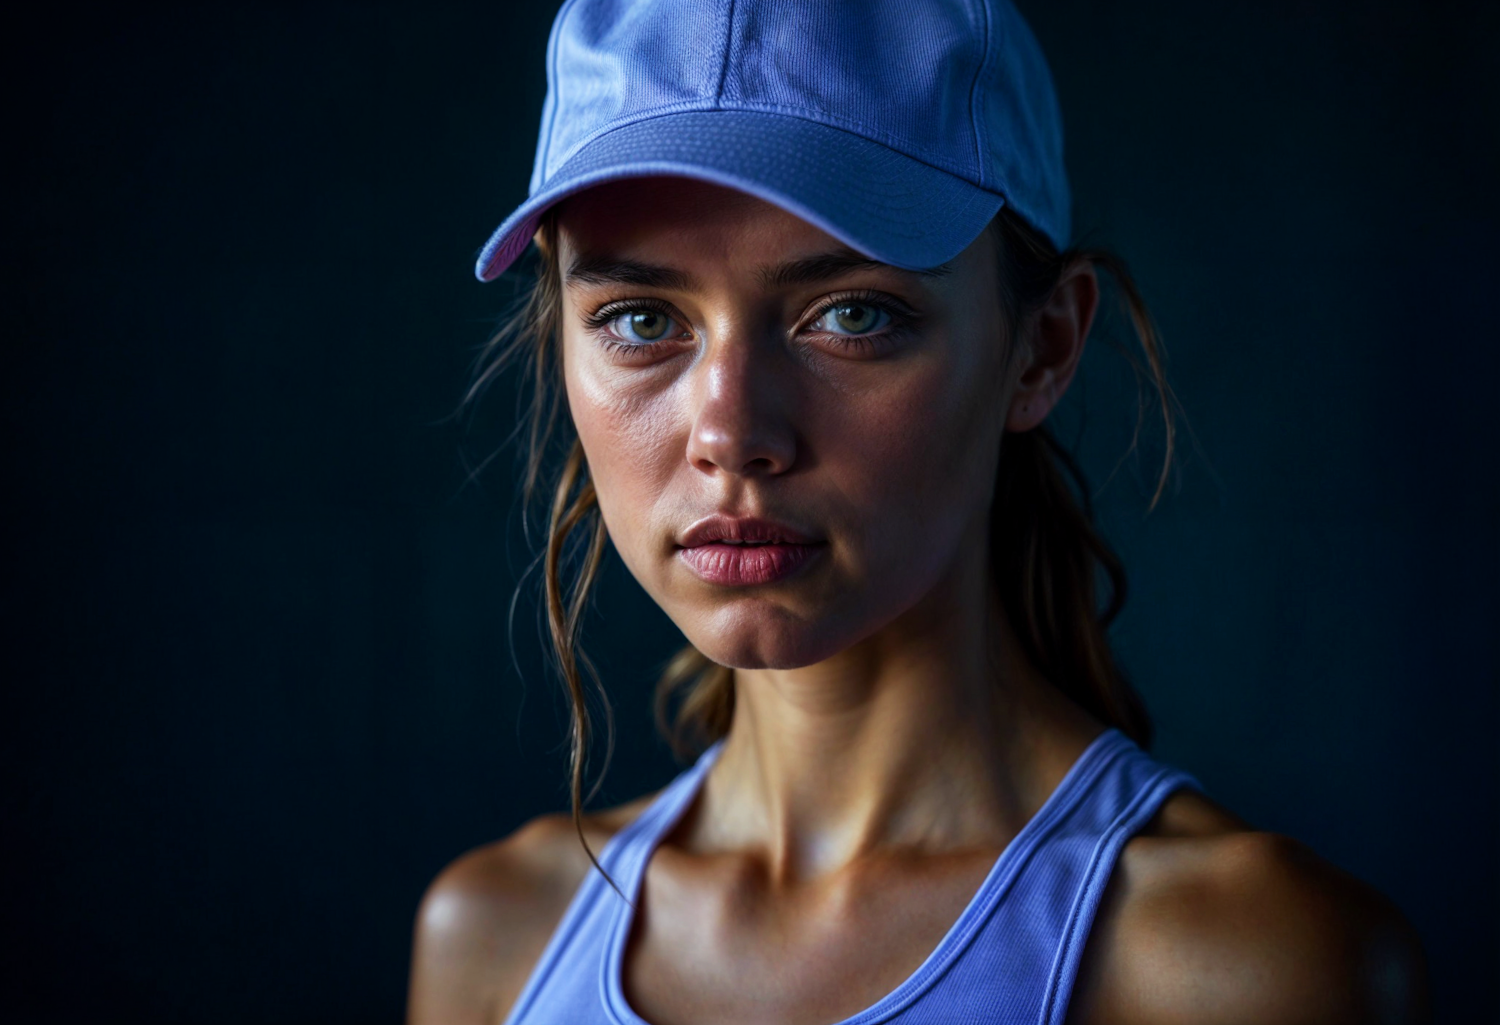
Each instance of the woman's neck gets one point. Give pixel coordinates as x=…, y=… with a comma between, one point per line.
x=935, y=734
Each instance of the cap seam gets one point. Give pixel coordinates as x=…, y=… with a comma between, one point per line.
x=998, y=181
x=724, y=64
x=976, y=95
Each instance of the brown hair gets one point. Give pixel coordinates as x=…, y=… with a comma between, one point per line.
x=1048, y=559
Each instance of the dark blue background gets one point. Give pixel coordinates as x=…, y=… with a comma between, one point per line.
x=258, y=685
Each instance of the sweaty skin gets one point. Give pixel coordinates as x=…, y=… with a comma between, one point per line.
x=889, y=737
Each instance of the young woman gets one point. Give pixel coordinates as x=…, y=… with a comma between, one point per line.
x=804, y=285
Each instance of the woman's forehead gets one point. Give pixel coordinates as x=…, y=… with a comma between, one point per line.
x=679, y=212
x=657, y=232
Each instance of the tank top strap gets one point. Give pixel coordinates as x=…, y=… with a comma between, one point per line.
x=631, y=848
x=574, y=961
x=1126, y=797
x=1031, y=919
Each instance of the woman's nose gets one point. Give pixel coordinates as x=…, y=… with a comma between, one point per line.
x=741, y=396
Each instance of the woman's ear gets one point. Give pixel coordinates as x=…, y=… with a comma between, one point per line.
x=1052, y=341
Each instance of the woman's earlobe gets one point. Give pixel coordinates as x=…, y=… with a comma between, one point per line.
x=1027, y=411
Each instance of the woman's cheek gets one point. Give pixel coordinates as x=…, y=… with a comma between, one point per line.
x=908, y=435
x=920, y=454
x=629, y=436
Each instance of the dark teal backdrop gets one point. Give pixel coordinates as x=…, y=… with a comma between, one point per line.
x=258, y=683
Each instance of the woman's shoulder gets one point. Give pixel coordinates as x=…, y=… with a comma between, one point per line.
x=1207, y=920
x=487, y=917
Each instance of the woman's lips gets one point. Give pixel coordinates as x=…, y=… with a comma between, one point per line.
x=739, y=551
x=738, y=565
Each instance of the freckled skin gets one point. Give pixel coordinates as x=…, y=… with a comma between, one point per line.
x=889, y=736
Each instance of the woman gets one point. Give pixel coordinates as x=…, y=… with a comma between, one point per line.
x=804, y=280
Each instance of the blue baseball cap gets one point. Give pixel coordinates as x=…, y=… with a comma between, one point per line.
x=900, y=127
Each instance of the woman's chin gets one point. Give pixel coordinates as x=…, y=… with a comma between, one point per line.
x=771, y=643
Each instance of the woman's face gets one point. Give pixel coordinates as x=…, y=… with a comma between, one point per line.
x=792, y=445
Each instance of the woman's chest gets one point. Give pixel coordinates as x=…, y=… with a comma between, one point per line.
x=722, y=943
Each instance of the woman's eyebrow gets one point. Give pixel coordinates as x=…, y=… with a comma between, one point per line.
x=602, y=269
x=818, y=268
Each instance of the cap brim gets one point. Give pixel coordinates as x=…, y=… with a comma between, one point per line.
x=889, y=206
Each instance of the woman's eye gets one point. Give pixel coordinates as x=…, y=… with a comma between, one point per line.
x=852, y=319
x=643, y=326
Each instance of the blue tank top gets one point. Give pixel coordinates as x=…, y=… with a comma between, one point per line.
x=1012, y=955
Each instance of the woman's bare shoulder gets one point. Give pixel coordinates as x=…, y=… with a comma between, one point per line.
x=487, y=917
x=1206, y=920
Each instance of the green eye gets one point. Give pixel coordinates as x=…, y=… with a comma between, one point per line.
x=642, y=326
x=853, y=319
x=857, y=319
x=649, y=324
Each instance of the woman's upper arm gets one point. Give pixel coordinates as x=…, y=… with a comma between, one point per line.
x=1250, y=927
x=484, y=923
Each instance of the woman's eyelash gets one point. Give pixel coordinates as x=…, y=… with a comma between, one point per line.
x=900, y=318
x=898, y=311
x=609, y=311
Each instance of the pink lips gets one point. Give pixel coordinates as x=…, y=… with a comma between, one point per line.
x=739, y=552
